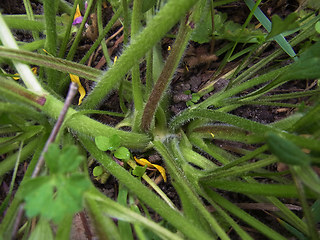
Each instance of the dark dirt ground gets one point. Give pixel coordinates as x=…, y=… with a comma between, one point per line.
x=198, y=74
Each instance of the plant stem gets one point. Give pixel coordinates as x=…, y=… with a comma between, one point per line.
x=100, y=30
x=71, y=93
x=52, y=62
x=165, y=76
x=79, y=32
x=30, y=15
x=313, y=233
x=90, y=127
x=102, y=35
x=24, y=70
x=126, y=23
x=169, y=15
x=188, y=188
x=144, y=194
x=50, y=10
x=135, y=72
x=65, y=41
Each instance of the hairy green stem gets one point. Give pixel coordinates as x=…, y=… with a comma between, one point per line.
x=165, y=76
x=71, y=93
x=188, y=189
x=313, y=232
x=79, y=32
x=135, y=72
x=170, y=14
x=126, y=22
x=66, y=38
x=104, y=225
x=102, y=35
x=52, y=62
x=50, y=10
x=100, y=29
x=24, y=70
x=143, y=193
x=88, y=126
x=244, y=216
x=27, y=6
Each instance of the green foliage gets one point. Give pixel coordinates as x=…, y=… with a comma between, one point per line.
x=108, y=143
x=139, y=170
x=279, y=26
x=317, y=27
x=315, y=4
x=147, y=4
x=62, y=161
x=122, y=153
x=60, y=193
x=42, y=231
x=195, y=98
x=209, y=129
x=224, y=29
x=286, y=151
x=97, y=171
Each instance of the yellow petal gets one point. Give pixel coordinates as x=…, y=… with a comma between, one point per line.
x=144, y=162
x=162, y=171
x=78, y=13
x=75, y=79
x=16, y=78
x=212, y=135
x=34, y=70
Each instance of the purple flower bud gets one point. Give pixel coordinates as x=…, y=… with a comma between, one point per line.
x=77, y=20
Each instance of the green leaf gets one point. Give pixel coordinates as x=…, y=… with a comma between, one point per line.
x=203, y=30
x=314, y=4
x=122, y=153
x=147, y=4
x=97, y=171
x=189, y=103
x=317, y=26
x=63, y=161
x=39, y=197
x=69, y=159
x=54, y=197
x=195, y=97
x=261, y=189
x=51, y=157
x=279, y=26
x=59, y=194
x=108, y=143
x=42, y=231
x=308, y=177
x=139, y=171
x=286, y=151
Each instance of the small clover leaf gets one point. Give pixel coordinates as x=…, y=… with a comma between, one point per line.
x=195, y=97
x=122, y=153
x=139, y=171
x=97, y=171
x=108, y=143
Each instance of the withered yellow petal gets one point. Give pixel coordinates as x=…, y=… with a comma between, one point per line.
x=17, y=76
x=78, y=13
x=75, y=79
x=34, y=70
x=144, y=162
